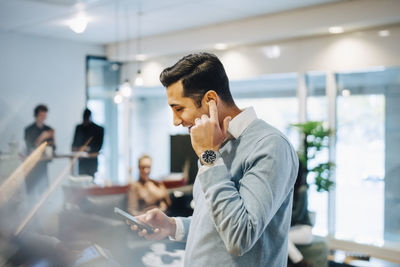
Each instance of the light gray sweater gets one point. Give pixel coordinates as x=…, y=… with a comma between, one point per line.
x=243, y=207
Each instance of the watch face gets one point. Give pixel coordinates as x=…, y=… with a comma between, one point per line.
x=209, y=156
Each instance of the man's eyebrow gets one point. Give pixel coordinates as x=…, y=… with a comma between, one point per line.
x=173, y=105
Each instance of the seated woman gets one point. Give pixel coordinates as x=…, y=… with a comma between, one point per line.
x=147, y=194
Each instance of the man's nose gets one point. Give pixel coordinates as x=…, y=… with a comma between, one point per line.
x=177, y=120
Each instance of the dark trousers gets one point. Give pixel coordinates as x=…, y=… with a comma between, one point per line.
x=88, y=166
x=37, y=180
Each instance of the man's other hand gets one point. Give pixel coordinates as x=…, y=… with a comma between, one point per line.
x=163, y=225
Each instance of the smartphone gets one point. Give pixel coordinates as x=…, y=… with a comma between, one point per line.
x=132, y=219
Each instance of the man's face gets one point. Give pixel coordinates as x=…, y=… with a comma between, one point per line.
x=184, y=109
x=41, y=117
x=145, y=169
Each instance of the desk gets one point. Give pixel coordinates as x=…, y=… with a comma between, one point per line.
x=75, y=194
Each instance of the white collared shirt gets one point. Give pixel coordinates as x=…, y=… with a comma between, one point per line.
x=239, y=123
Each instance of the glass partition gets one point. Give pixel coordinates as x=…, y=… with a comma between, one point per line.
x=101, y=82
x=274, y=100
x=367, y=171
x=317, y=110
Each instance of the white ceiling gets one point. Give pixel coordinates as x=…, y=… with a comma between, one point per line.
x=111, y=20
x=181, y=26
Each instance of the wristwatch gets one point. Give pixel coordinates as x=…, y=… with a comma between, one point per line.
x=209, y=157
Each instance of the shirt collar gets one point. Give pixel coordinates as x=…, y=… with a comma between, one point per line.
x=239, y=123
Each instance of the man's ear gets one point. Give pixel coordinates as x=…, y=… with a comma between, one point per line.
x=210, y=95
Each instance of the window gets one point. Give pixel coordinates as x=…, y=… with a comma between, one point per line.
x=274, y=100
x=367, y=202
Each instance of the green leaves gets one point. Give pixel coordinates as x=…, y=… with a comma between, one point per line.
x=315, y=137
x=322, y=176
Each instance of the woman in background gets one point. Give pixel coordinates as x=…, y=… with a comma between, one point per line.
x=146, y=194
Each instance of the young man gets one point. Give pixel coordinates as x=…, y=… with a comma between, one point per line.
x=243, y=190
x=88, y=129
x=35, y=134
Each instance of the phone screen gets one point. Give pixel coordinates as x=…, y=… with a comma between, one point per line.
x=133, y=220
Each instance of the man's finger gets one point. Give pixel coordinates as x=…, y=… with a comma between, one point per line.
x=213, y=110
x=226, y=125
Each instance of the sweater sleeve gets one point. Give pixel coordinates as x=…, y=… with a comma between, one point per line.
x=182, y=232
x=182, y=229
x=241, y=215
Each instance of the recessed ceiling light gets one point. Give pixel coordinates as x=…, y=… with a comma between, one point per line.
x=336, y=29
x=220, y=46
x=140, y=57
x=78, y=24
x=384, y=33
x=273, y=51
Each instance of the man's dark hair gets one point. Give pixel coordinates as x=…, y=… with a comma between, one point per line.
x=39, y=108
x=86, y=114
x=199, y=73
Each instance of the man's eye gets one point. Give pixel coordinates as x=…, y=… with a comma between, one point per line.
x=178, y=109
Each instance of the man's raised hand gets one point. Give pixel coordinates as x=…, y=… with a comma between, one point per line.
x=207, y=134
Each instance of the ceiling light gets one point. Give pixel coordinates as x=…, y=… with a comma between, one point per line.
x=118, y=97
x=346, y=92
x=140, y=57
x=273, y=51
x=78, y=24
x=220, y=46
x=126, y=89
x=114, y=67
x=139, y=79
x=384, y=33
x=336, y=30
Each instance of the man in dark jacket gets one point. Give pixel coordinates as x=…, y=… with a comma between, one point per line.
x=88, y=129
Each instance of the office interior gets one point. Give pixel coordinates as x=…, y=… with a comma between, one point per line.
x=334, y=61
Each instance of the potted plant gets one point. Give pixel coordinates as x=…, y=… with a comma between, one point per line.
x=315, y=137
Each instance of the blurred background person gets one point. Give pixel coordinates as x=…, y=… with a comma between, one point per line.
x=38, y=132
x=300, y=232
x=88, y=165
x=146, y=193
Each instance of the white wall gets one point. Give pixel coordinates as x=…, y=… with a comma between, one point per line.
x=342, y=52
x=37, y=70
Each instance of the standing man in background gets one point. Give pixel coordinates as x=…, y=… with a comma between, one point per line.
x=87, y=129
x=37, y=180
x=244, y=189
